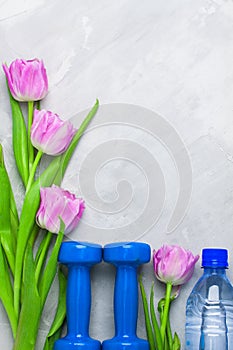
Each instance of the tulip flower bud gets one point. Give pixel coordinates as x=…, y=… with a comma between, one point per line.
x=57, y=203
x=27, y=80
x=173, y=264
x=49, y=133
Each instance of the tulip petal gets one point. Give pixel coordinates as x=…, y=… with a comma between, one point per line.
x=50, y=134
x=174, y=264
x=57, y=203
x=27, y=79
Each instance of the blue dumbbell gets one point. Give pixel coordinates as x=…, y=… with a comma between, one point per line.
x=126, y=257
x=79, y=257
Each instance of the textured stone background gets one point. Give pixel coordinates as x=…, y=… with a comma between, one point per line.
x=171, y=57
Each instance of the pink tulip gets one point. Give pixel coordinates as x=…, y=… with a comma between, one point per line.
x=57, y=203
x=27, y=80
x=173, y=264
x=49, y=133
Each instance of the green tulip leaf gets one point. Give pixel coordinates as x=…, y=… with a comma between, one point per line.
x=49, y=342
x=149, y=330
x=31, y=307
x=6, y=213
x=6, y=291
x=51, y=267
x=61, y=308
x=58, y=321
x=42, y=253
x=65, y=157
x=176, y=342
x=158, y=339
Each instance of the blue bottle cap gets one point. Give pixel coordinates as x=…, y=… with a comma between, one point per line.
x=215, y=257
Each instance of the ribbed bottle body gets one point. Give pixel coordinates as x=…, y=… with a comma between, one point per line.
x=198, y=299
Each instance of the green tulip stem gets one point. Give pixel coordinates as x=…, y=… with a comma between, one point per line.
x=33, y=170
x=166, y=311
x=169, y=334
x=30, y=147
x=45, y=245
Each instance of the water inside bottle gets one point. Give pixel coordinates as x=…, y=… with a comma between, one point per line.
x=213, y=329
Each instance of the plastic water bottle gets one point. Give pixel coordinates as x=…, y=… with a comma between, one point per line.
x=215, y=263
x=213, y=328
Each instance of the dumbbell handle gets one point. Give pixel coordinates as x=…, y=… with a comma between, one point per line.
x=78, y=300
x=126, y=300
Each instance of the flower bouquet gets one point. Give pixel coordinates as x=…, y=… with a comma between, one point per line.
x=174, y=266
x=28, y=255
